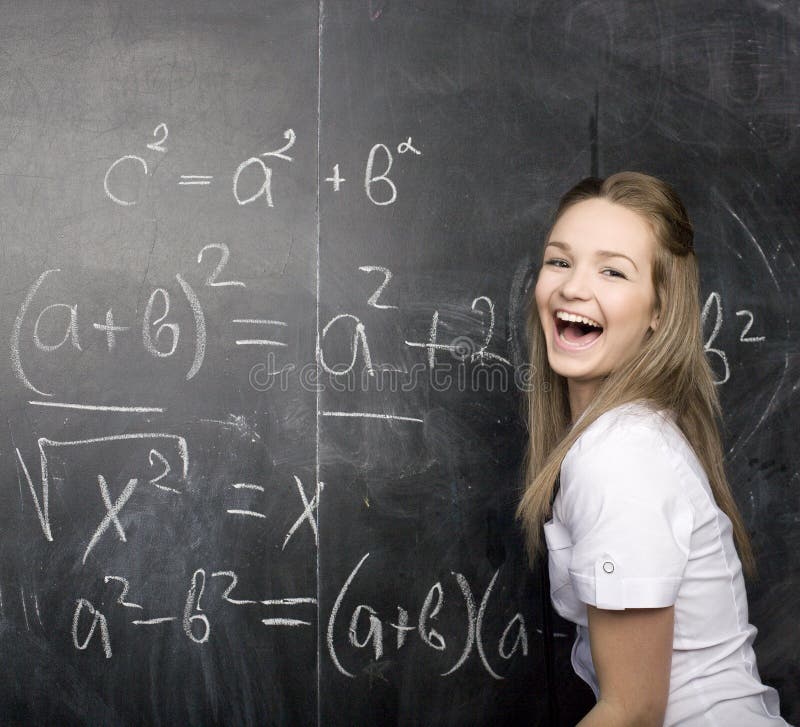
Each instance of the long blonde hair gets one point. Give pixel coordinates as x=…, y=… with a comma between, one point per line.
x=670, y=370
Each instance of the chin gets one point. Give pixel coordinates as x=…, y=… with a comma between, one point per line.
x=578, y=372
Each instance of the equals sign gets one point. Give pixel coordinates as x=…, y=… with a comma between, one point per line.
x=195, y=179
x=286, y=602
x=246, y=513
x=259, y=341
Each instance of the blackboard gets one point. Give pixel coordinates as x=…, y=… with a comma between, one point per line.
x=264, y=275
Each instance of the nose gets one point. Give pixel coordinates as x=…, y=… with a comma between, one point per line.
x=576, y=284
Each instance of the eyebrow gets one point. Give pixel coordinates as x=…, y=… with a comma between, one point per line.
x=600, y=253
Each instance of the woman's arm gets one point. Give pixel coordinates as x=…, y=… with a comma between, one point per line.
x=632, y=655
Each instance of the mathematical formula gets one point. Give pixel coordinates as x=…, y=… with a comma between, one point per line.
x=365, y=629
x=379, y=187
x=177, y=327
x=57, y=327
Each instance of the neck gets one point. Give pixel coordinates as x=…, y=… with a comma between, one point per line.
x=580, y=396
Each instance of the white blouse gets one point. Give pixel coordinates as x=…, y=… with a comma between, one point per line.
x=635, y=525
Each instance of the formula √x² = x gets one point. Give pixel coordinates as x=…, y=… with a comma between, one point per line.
x=155, y=457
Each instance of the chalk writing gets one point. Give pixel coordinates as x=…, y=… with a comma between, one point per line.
x=98, y=620
x=364, y=629
x=110, y=329
x=462, y=348
x=161, y=132
x=336, y=179
x=194, y=621
x=114, y=165
x=714, y=302
x=379, y=188
x=309, y=506
x=192, y=612
x=112, y=512
x=290, y=137
x=124, y=592
x=387, y=276
x=158, y=145
x=264, y=190
x=373, y=636
x=42, y=504
x=195, y=180
x=371, y=179
x=224, y=256
x=161, y=334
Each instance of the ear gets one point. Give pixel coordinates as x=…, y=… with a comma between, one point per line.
x=655, y=316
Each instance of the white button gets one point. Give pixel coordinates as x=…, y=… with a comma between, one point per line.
x=608, y=583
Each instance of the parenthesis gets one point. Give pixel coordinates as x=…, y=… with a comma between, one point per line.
x=199, y=326
x=16, y=359
x=470, y=601
x=479, y=623
x=332, y=619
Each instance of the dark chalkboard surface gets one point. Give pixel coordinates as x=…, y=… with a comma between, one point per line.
x=264, y=275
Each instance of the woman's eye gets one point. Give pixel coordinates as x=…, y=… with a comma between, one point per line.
x=611, y=272
x=556, y=262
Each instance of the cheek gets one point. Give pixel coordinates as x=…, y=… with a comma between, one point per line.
x=634, y=316
x=540, y=295
x=544, y=287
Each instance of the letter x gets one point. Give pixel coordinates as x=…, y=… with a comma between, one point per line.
x=112, y=511
x=308, y=511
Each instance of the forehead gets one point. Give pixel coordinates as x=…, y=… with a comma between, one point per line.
x=597, y=224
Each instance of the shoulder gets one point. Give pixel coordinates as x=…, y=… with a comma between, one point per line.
x=634, y=420
x=625, y=430
x=633, y=450
x=625, y=481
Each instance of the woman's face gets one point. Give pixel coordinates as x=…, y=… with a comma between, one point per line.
x=595, y=293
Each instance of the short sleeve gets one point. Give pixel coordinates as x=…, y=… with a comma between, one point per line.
x=629, y=519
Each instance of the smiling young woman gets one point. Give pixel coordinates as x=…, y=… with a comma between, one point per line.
x=625, y=471
x=595, y=293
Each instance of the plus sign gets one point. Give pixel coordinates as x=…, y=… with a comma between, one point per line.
x=336, y=179
x=110, y=329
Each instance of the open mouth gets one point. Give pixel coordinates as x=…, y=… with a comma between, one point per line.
x=576, y=330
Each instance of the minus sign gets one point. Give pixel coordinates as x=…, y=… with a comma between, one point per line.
x=151, y=621
x=258, y=342
x=284, y=622
x=263, y=321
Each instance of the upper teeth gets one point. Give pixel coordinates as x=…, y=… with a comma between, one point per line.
x=564, y=316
